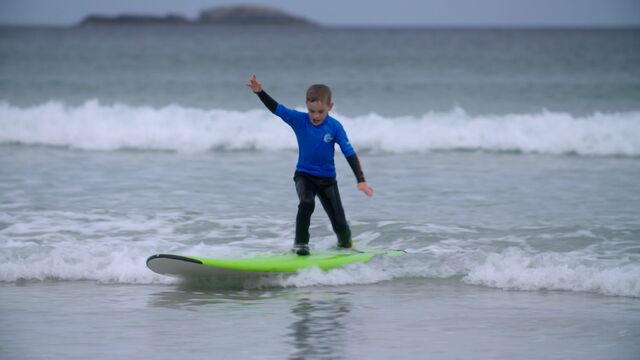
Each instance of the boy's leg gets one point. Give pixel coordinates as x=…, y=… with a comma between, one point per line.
x=306, y=194
x=330, y=199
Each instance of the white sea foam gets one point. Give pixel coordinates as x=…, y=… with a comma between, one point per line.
x=94, y=126
x=113, y=247
x=517, y=269
x=119, y=261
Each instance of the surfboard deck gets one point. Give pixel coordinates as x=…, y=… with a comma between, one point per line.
x=193, y=266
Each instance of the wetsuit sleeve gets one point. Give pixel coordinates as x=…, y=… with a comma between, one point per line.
x=354, y=162
x=268, y=101
x=349, y=153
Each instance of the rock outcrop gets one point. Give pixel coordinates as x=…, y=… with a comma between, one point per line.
x=250, y=14
x=127, y=19
x=221, y=15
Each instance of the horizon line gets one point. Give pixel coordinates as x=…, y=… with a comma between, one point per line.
x=342, y=26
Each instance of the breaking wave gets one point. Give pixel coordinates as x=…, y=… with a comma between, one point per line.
x=113, y=248
x=95, y=126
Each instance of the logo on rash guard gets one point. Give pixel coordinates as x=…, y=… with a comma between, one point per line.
x=327, y=138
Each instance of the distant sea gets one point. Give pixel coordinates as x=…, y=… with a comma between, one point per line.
x=505, y=161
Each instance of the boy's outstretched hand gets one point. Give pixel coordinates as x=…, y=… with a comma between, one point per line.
x=254, y=84
x=365, y=188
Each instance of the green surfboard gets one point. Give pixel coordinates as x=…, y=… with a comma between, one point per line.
x=194, y=266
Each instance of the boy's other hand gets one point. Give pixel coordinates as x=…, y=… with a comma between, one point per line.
x=366, y=189
x=254, y=84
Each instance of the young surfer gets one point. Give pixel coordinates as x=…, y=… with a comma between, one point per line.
x=317, y=133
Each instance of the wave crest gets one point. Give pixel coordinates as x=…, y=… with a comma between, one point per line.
x=94, y=126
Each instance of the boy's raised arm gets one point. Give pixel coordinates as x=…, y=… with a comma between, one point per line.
x=267, y=100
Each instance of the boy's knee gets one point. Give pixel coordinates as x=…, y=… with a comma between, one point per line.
x=307, y=205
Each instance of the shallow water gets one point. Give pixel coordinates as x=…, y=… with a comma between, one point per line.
x=408, y=318
x=508, y=221
x=504, y=162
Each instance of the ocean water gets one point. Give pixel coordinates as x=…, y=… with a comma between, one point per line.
x=506, y=163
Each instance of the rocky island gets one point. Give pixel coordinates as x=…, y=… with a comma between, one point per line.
x=250, y=14
x=221, y=15
x=129, y=19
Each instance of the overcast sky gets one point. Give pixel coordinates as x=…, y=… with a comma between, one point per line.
x=348, y=12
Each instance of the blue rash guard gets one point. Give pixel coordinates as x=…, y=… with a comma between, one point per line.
x=316, y=144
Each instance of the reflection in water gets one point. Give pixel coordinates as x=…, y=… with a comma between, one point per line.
x=186, y=298
x=319, y=331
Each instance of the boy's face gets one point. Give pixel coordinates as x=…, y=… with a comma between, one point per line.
x=318, y=111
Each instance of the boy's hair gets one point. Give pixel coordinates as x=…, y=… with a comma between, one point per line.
x=319, y=92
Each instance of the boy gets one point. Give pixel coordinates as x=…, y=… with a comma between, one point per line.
x=317, y=133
